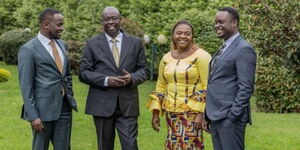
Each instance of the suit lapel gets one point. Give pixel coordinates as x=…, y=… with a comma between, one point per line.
x=41, y=49
x=103, y=44
x=124, y=48
x=230, y=49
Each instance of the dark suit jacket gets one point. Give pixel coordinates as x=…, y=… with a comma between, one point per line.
x=41, y=82
x=231, y=83
x=97, y=63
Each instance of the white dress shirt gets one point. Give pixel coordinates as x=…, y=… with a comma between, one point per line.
x=45, y=41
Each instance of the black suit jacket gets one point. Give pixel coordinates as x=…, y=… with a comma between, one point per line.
x=97, y=63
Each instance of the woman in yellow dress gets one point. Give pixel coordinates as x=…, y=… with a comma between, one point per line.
x=180, y=90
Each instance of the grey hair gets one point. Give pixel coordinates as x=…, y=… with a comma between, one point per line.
x=110, y=8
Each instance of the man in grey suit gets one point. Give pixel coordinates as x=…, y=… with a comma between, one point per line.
x=230, y=84
x=46, y=84
x=113, y=65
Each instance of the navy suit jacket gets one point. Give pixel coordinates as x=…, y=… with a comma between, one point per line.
x=231, y=83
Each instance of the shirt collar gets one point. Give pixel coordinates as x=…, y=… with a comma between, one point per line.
x=230, y=40
x=118, y=37
x=43, y=39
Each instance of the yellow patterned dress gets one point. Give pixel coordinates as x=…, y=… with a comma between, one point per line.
x=182, y=83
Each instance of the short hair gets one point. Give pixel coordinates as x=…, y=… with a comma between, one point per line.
x=173, y=45
x=233, y=13
x=110, y=8
x=46, y=13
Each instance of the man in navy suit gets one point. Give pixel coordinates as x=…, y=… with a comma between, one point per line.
x=230, y=84
x=46, y=84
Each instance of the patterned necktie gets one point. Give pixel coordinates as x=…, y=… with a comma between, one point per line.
x=56, y=56
x=115, y=51
x=217, y=56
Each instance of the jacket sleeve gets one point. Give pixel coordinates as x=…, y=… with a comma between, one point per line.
x=26, y=68
x=245, y=67
x=142, y=72
x=86, y=69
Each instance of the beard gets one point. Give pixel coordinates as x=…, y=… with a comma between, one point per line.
x=53, y=36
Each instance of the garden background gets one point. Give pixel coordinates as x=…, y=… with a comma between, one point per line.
x=271, y=26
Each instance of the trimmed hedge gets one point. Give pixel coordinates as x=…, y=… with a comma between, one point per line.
x=4, y=75
x=11, y=41
x=277, y=88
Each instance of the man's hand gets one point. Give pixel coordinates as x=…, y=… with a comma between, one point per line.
x=198, y=121
x=115, y=82
x=37, y=125
x=126, y=77
x=205, y=126
x=156, y=120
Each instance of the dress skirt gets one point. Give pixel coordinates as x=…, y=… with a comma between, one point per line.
x=182, y=134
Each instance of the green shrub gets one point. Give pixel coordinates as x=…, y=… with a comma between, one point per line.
x=74, y=54
x=277, y=88
x=4, y=75
x=273, y=29
x=11, y=41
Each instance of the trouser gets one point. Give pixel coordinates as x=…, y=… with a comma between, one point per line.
x=127, y=130
x=58, y=132
x=227, y=134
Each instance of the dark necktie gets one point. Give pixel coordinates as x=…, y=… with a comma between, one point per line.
x=217, y=56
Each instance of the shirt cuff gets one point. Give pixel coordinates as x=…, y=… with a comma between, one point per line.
x=106, y=81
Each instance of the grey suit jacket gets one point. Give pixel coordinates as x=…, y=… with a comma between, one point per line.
x=231, y=83
x=97, y=63
x=41, y=82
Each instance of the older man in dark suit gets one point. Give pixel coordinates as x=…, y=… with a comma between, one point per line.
x=113, y=65
x=230, y=84
x=46, y=84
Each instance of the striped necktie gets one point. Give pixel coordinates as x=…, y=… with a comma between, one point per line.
x=115, y=51
x=217, y=56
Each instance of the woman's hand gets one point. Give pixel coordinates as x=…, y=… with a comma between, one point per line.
x=205, y=126
x=198, y=121
x=155, y=120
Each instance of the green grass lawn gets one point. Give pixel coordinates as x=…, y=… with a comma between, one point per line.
x=268, y=132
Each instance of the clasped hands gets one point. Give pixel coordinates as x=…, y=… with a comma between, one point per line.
x=120, y=80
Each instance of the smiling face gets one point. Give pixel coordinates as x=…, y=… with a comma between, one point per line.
x=183, y=36
x=225, y=26
x=111, y=21
x=53, y=26
x=56, y=26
